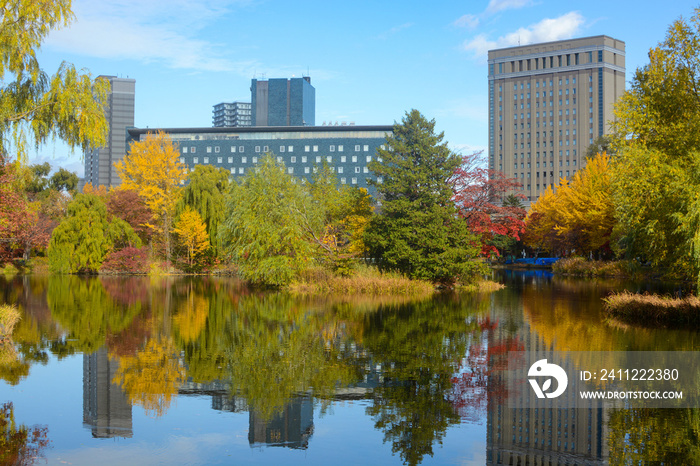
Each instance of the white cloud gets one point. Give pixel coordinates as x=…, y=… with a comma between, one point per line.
x=549, y=29
x=394, y=30
x=467, y=21
x=501, y=5
x=154, y=31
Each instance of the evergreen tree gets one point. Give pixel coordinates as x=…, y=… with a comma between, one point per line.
x=418, y=231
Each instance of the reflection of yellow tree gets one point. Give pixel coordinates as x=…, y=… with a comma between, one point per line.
x=192, y=317
x=152, y=377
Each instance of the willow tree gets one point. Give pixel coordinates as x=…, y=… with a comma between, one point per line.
x=81, y=242
x=153, y=169
x=205, y=194
x=35, y=106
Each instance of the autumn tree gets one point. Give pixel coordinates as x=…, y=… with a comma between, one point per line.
x=205, y=193
x=153, y=169
x=81, y=242
x=35, y=106
x=127, y=205
x=579, y=216
x=418, y=231
x=192, y=236
x=15, y=216
x=263, y=232
x=479, y=194
x=657, y=138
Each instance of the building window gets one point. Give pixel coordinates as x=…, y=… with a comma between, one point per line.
x=182, y=160
x=340, y=148
x=306, y=170
x=290, y=149
x=307, y=148
x=303, y=159
x=193, y=150
x=365, y=148
x=233, y=170
x=329, y=159
x=257, y=149
x=354, y=181
x=290, y=170
x=255, y=160
x=343, y=181
x=332, y=148
x=245, y=159
x=195, y=160
x=318, y=159
x=282, y=149
x=354, y=159
x=208, y=149
x=293, y=159
x=357, y=169
x=340, y=169
x=240, y=170
x=219, y=160
x=241, y=149
x=279, y=159
x=357, y=148
x=315, y=148
x=365, y=170
x=233, y=149
x=343, y=159
x=206, y=159
x=217, y=149
x=266, y=149
x=369, y=158
x=230, y=160
x=184, y=150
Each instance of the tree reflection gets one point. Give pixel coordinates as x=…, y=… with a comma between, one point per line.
x=419, y=348
x=151, y=377
x=19, y=444
x=654, y=436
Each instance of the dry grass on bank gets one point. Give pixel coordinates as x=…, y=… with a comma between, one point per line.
x=366, y=280
x=9, y=316
x=580, y=267
x=648, y=309
x=484, y=286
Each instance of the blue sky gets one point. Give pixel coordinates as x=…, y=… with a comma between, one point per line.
x=370, y=62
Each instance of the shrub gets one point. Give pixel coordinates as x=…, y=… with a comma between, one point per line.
x=578, y=266
x=9, y=316
x=648, y=309
x=127, y=260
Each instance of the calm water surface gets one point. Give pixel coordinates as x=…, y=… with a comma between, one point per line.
x=205, y=371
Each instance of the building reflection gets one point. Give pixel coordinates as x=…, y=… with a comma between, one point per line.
x=545, y=434
x=292, y=427
x=106, y=408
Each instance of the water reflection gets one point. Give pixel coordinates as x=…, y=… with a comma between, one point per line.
x=421, y=368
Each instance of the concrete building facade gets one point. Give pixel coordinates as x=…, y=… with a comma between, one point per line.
x=346, y=149
x=283, y=102
x=119, y=111
x=547, y=103
x=232, y=114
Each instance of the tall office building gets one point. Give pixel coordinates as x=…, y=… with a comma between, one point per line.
x=232, y=114
x=547, y=103
x=283, y=102
x=119, y=111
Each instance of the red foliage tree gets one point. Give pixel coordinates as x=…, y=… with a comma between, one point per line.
x=130, y=207
x=480, y=194
x=14, y=215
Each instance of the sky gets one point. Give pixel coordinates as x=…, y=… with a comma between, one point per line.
x=369, y=61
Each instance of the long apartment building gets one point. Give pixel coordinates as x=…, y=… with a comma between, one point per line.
x=547, y=103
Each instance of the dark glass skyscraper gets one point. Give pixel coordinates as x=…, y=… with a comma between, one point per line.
x=283, y=102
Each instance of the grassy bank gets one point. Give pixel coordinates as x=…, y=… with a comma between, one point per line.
x=366, y=280
x=653, y=310
x=580, y=267
x=9, y=316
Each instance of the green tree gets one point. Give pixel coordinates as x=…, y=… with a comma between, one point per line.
x=81, y=242
x=265, y=233
x=657, y=138
x=205, y=193
x=418, y=231
x=63, y=180
x=33, y=105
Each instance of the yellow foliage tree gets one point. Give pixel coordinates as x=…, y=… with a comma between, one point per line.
x=192, y=234
x=152, y=168
x=579, y=216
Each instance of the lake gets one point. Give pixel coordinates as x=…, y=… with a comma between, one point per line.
x=140, y=370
